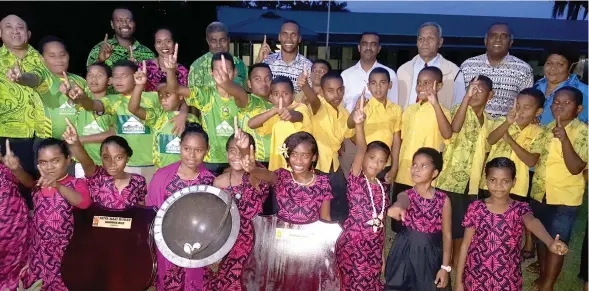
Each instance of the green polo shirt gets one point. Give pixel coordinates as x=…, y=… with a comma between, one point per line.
x=21, y=109
x=217, y=115
x=200, y=72
x=130, y=127
x=256, y=106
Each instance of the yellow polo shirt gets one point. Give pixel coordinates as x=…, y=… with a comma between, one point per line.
x=21, y=108
x=382, y=121
x=330, y=128
x=280, y=130
x=551, y=177
x=420, y=129
x=464, y=156
x=524, y=138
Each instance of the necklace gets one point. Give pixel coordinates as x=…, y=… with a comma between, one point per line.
x=376, y=220
x=236, y=192
x=302, y=184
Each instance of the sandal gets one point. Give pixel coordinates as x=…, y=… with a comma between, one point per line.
x=534, y=268
x=527, y=255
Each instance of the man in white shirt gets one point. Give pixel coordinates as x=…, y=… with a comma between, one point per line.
x=356, y=77
x=429, y=42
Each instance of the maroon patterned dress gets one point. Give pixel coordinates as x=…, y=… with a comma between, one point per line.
x=175, y=277
x=53, y=227
x=417, y=253
x=358, y=249
x=14, y=222
x=228, y=276
x=297, y=203
x=493, y=259
x=105, y=193
x=155, y=75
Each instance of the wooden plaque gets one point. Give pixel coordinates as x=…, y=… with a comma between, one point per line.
x=291, y=256
x=110, y=258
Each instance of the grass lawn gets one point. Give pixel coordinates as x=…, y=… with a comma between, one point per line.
x=568, y=280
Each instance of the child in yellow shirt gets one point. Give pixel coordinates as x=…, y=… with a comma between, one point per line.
x=425, y=124
x=464, y=155
x=513, y=139
x=329, y=119
x=318, y=70
x=284, y=119
x=558, y=184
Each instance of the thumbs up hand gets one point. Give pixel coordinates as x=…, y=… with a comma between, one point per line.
x=303, y=78
x=558, y=247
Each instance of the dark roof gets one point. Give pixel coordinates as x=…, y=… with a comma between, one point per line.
x=254, y=23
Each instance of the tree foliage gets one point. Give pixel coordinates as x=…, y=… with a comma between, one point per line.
x=340, y=6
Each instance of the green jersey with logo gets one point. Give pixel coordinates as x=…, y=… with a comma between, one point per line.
x=217, y=115
x=166, y=146
x=255, y=106
x=88, y=124
x=130, y=127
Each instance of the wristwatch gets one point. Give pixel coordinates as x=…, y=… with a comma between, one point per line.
x=446, y=268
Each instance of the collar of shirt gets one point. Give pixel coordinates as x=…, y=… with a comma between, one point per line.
x=277, y=57
x=115, y=43
x=420, y=63
x=358, y=67
x=5, y=52
x=504, y=61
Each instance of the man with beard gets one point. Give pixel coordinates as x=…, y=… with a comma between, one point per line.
x=429, y=42
x=200, y=70
x=123, y=45
x=509, y=74
x=288, y=62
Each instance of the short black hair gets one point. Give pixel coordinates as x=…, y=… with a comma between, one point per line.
x=570, y=54
x=112, y=15
x=293, y=22
x=322, y=62
x=500, y=163
x=434, y=155
x=435, y=70
x=577, y=94
x=258, y=65
x=53, y=142
x=283, y=80
x=48, y=39
x=370, y=33
x=104, y=66
x=331, y=75
x=500, y=23
x=380, y=70
x=121, y=142
x=379, y=145
x=485, y=80
x=165, y=28
x=300, y=137
x=536, y=94
x=227, y=56
x=194, y=129
x=125, y=63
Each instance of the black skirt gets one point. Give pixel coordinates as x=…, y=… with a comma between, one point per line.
x=414, y=261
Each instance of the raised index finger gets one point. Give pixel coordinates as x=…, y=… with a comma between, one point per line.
x=223, y=64
x=106, y=38
x=235, y=124
x=8, y=151
x=66, y=80
x=558, y=121
x=280, y=103
x=264, y=39
x=144, y=69
x=69, y=123
x=131, y=52
x=176, y=51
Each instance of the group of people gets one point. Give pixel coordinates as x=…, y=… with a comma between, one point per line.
x=477, y=157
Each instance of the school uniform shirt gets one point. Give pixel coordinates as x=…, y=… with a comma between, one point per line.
x=464, y=155
x=166, y=145
x=255, y=106
x=131, y=127
x=88, y=123
x=356, y=79
x=419, y=129
x=524, y=138
x=21, y=108
x=217, y=115
x=509, y=78
x=552, y=180
x=330, y=128
x=292, y=71
x=280, y=130
x=200, y=72
x=56, y=106
x=140, y=53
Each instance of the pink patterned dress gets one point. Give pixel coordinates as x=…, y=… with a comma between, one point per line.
x=105, y=193
x=297, y=203
x=358, y=249
x=417, y=253
x=14, y=230
x=155, y=75
x=228, y=276
x=175, y=277
x=493, y=260
x=53, y=227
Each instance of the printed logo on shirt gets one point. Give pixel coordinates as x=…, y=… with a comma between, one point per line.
x=67, y=109
x=224, y=129
x=169, y=144
x=129, y=124
x=92, y=128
